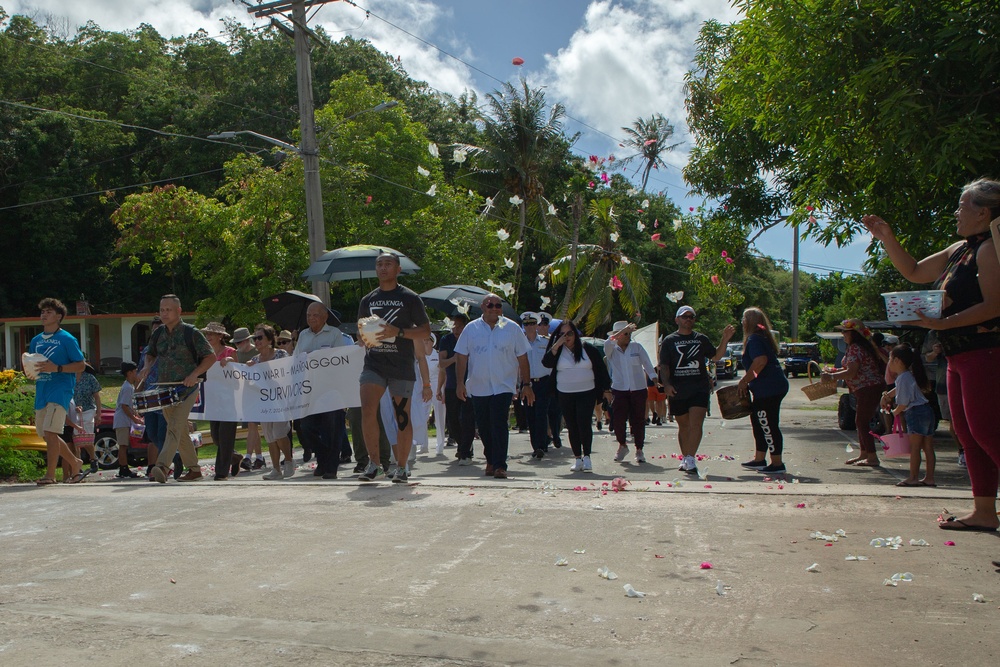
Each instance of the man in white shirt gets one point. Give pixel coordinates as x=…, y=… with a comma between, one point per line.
x=537, y=415
x=322, y=432
x=494, y=351
x=629, y=366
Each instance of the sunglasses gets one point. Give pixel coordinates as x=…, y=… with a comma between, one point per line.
x=496, y=306
x=688, y=316
x=259, y=337
x=284, y=342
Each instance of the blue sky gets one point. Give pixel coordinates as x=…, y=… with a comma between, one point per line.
x=608, y=61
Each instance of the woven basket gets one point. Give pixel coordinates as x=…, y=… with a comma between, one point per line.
x=817, y=390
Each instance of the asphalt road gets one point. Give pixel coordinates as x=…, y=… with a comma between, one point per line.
x=458, y=569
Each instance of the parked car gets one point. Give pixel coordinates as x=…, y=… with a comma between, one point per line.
x=736, y=349
x=727, y=367
x=800, y=355
x=106, y=443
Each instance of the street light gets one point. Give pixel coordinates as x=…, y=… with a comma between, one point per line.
x=314, y=194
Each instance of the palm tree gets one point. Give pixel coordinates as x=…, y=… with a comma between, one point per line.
x=649, y=136
x=521, y=140
x=590, y=269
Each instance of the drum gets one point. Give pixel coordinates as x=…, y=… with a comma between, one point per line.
x=152, y=400
x=731, y=404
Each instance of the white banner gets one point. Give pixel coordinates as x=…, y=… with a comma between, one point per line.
x=285, y=389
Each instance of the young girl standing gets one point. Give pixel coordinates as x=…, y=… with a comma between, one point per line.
x=911, y=381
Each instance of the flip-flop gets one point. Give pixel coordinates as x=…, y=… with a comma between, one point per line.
x=851, y=462
x=865, y=464
x=79, y=477
x=45, y=481
x=951, y=523
x=907, y=482
x=931, y=484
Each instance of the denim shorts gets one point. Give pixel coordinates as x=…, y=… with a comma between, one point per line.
x=920, y=419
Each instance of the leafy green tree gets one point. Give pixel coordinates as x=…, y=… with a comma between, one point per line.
x=850, y=106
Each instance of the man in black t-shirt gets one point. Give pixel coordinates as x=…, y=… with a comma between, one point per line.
x=684, y=375
x=391, y=364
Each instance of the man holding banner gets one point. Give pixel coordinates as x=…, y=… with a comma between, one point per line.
x=322, y=431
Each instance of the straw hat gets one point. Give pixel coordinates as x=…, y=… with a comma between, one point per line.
x=216, y=328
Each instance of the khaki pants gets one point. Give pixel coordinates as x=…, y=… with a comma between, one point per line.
x=178, y=436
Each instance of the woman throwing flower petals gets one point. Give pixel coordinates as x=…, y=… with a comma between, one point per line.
x=969, y=331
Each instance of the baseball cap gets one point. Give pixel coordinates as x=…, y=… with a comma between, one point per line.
x=683, y=310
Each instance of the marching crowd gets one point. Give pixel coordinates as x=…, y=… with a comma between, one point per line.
x=473, y=375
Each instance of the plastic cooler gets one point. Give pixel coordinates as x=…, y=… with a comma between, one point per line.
x=903, y=306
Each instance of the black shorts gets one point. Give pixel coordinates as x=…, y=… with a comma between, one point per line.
x=681, y=406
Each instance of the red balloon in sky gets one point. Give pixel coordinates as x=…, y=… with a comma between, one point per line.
x=518, y=61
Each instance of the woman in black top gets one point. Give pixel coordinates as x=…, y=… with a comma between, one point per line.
x=969, y=331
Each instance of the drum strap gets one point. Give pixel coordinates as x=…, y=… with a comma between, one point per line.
x=188, y=340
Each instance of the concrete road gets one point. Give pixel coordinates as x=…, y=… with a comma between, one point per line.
x=457, y=569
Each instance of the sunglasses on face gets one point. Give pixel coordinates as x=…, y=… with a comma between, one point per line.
x=687, y=317
x=496, y=306
x=256, y=338
x=284, y=342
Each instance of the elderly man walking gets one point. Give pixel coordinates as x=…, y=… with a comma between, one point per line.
x=182, y=355
x=494, y=351
x=629, y=364
x=322, y=431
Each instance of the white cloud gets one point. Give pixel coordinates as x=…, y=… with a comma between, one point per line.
x=628, y=60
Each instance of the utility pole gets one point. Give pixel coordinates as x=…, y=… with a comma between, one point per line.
x=795, y=286
x=307, y=126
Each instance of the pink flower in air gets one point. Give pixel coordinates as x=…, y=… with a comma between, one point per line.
x=649, y=142
x=656, y=223
x=386, y=221
x=615, y=283
x=729, y=260
x=691, y=208
x=725, y=254
x=654, y=237
x=812, y=220
x=591, y=185
x=810, y=208
x=689, y=257
x=604, y=177
x=517, y=60
x=368, y=200
x=715, y=280
x=696, y=250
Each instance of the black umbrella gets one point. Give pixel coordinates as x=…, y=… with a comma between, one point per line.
x=353, y=263
x=288, y=310
x=441, y=298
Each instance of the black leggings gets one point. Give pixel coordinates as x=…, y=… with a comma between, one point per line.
x=578, y=411
x=764, y=420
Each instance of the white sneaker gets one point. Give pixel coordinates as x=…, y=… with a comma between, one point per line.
x=465, y=462
x=421, y=450
x=288, y=468
x=274, y=474
x=577, y=466
x=961, y=459
x=688, y=463
x=639, y=456
x=622, y=453
x=587, y=466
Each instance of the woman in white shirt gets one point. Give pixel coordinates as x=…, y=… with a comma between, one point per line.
x=580, y=378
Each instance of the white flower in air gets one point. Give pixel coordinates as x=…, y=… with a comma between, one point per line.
x=432, y=148
x=515, y=200
x=678, y=223
x=518, y=245
x=626, y=260
x=509, y=262
x=545, y=302
x=645, y=204
x=448, y=323
x=433, y=190
x=488, y=207
x=463, y=308
x=471, y=193
x=503, y=234
x=556, y=272
x=632, y=192
x=552, y=209
x=614, y=237
x=674, y=297
x=458, y=156
x=542, y=284
x=640, y=226
x=422, y=171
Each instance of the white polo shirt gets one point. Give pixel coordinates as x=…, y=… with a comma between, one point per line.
x=627, y=366
x=492, y=353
